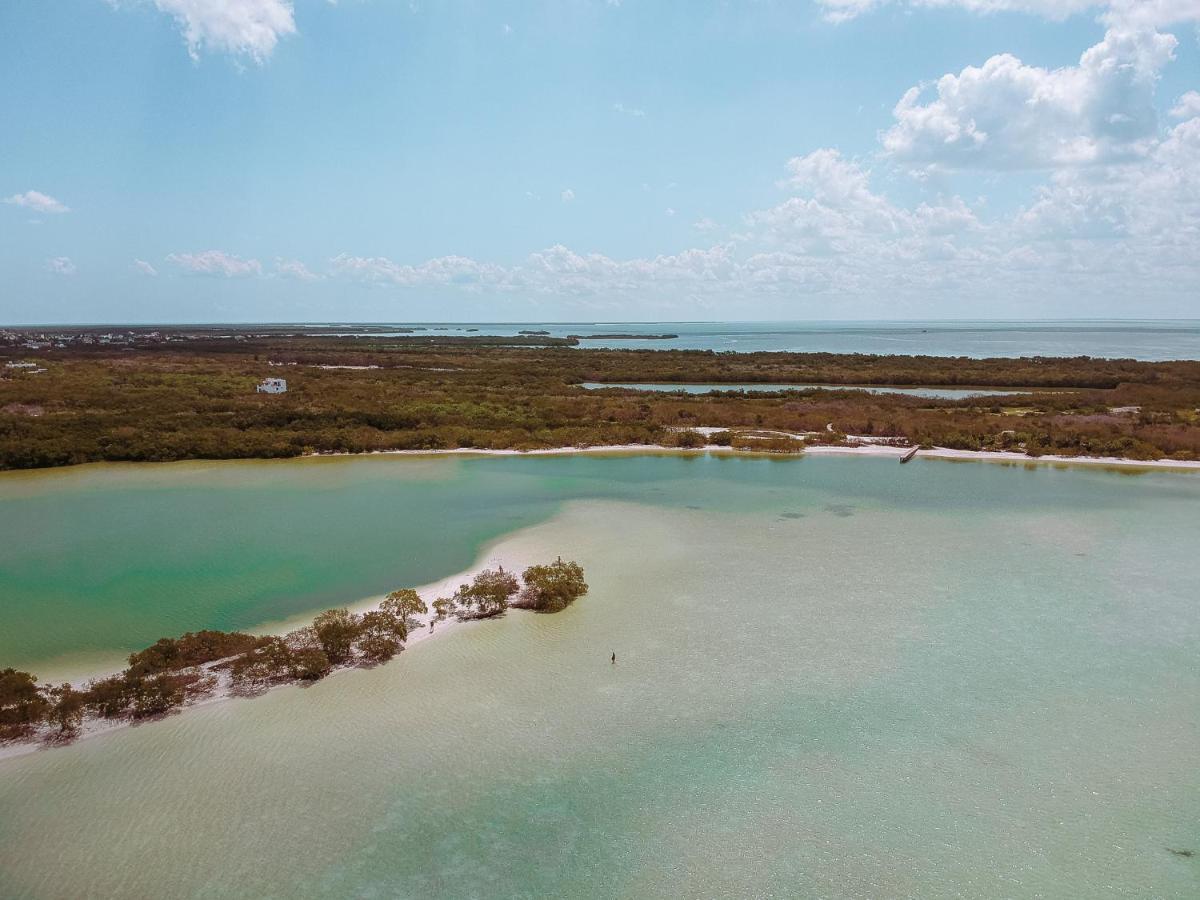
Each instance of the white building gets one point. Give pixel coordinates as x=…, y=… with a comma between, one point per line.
x=272, y=386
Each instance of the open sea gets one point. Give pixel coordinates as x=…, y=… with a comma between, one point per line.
x=835, y=677
x=1123, y=338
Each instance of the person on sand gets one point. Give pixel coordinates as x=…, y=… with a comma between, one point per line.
x=614, y=657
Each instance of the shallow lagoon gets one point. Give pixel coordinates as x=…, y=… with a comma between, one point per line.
x=936, y=393
x=835, y=677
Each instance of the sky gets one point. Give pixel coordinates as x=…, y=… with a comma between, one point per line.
x=598, y=160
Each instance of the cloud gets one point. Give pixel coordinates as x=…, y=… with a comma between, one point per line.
x=835, y=212
x=1122, y=229
x=61, y=265
x=293, y=268
x=1130, y=13
x=1118, y=214
x=140, y=265
x=629, y=111
x=248, y=28
x=1057, y=10
x=836, y=234
x=1187, y=106
x=444, y=270
x=216, y=263
x=1150, y=13
x=1153, y=206
x=1008, y=115
x=38, y=202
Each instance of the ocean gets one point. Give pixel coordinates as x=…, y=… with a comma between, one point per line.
x=1130, y=339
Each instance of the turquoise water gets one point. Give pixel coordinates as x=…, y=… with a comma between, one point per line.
x=1133, y=339
x=836, y=677
x=932, y=393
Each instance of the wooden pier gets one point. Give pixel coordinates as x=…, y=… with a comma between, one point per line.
x=909, y=455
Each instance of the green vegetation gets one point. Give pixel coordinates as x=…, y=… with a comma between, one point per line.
x=193, y=649
x=22, y=704
x=767, y=443
x=195, y=399
x=173, y=671
x=486, y=596
x=552, y=588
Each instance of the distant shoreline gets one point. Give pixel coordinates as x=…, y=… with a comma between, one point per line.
x=871, y=449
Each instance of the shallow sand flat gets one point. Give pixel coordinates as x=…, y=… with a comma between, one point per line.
x=834, y=678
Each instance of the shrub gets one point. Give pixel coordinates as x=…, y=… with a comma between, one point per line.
x=487, y=595
x=336, y=630
x=381, y=634
x=22, y=704
x=552, y=588
x=688, y=439
x=193, y=649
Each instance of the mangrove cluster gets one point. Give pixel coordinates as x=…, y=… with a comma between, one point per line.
x=173, y=671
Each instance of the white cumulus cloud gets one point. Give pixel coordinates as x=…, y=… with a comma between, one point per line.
x=567, y=196
x=1186, y=106
x=216, y=262
x=293, y=268
x=444, y=270
x=38, y=202
x=1140, y=13
x=248, y=28
x=1128, y=229
x=140, y=265
x=1009, y=115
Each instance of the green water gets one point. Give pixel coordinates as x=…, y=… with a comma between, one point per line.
x=836, y=677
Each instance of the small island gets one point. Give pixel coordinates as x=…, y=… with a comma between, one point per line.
x=624, y=337
x=203, y=665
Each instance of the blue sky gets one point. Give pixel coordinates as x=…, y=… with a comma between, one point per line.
x=261, y=160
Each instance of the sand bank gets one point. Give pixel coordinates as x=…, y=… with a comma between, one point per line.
x=224, y=692
x=870, y=446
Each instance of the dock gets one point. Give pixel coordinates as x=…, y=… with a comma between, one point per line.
x=909, y=455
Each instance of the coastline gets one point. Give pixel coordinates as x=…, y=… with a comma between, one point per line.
x=869, y=447
x=223, y=692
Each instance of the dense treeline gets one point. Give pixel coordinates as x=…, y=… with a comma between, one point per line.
x=196, y=399
x=173, y=671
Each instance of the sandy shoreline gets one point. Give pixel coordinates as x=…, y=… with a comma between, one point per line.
x=223, y=692
x=869, y=447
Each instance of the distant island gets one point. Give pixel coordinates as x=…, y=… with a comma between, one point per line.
x=624, y=337
x=174, y=672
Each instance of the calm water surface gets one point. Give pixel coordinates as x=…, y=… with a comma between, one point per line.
x=836, y=677
x=1131, y=339
x=758, y=387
